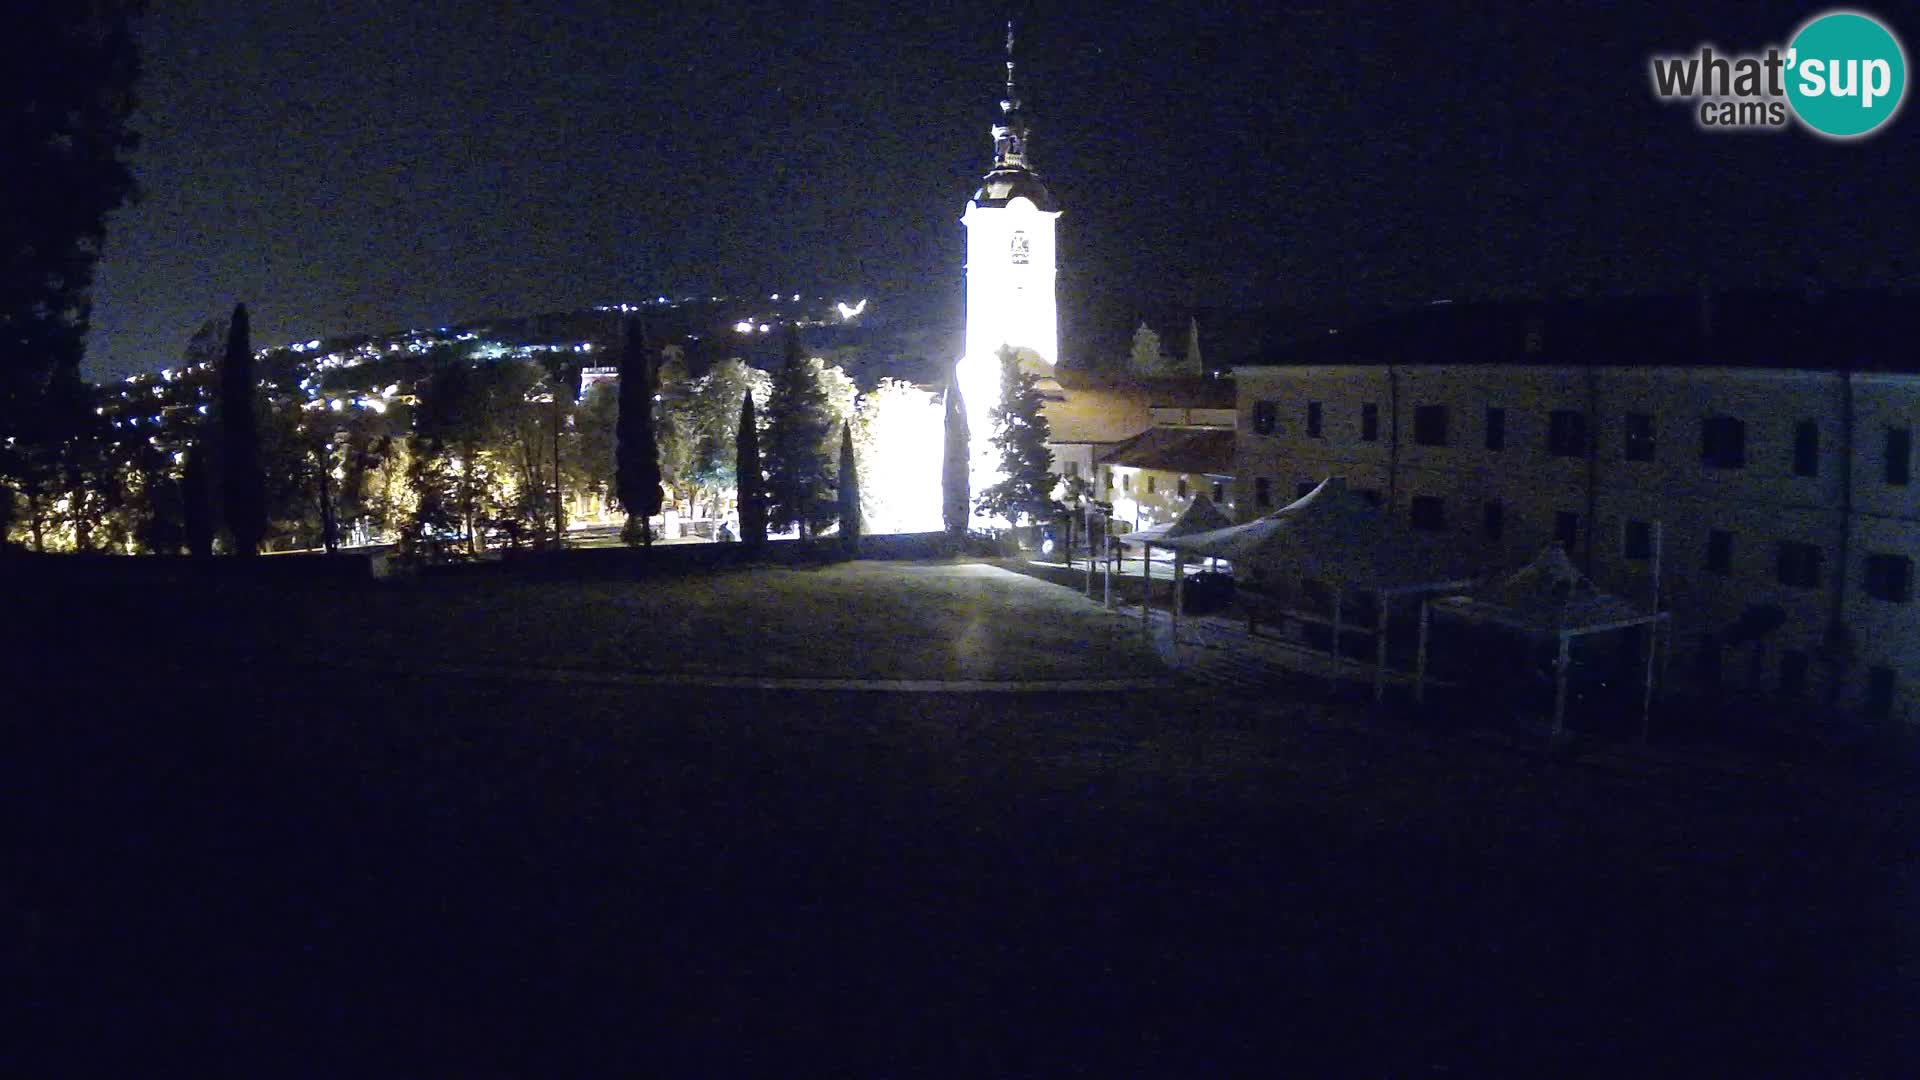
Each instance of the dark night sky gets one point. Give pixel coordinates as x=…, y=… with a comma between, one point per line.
x=377, y=164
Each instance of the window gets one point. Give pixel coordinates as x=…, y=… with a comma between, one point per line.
x=1153, y=484
x=1430, y=425
x=1493, y=520
x=1889, y=578
x=1313, y=420
x=1183, y=487
x=1126, y=482
x=1636, y=541
x=1723, y=442
x=1880, y=691
x=1369, y=422
x=1073, y=469
x=1719, y=552
x=1262, y=492
x=1793, y=672
x=1799, y=565
x=1219, y=492
x=1899, y=454
x=1567, y=433
x=1265, y=414
x=1109, y=483
x=1639, y=445
x=1566, y=529
x=1301, y=489
x=1429, y=512
x=1496, y=428
x=1806, y=448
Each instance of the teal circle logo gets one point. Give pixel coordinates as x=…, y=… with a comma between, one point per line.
x=1846, y=74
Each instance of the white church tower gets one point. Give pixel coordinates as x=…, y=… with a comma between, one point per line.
x=1010, y=269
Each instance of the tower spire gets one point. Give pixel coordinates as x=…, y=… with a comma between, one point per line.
x=1013, y=98
x=1010, y=129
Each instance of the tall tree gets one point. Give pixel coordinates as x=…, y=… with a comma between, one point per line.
x=196, y=497
x=1192, y=362
x=637, y=458
x=752, y=496
x=243, y=488
x=955, y=494
x=847, y=492
x=67, y=80
x=798, y=427
x=1021, y=434
x=1147, y=360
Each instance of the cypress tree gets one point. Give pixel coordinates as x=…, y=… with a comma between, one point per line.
x=848, y=494
x=243, y=488
x=636, y=456
x=954, y=492
x=751, y=485
x=196, y=497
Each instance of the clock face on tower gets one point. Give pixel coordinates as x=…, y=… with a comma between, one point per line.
x=1018, y=248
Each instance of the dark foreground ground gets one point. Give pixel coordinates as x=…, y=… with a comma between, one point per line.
x=269, y=870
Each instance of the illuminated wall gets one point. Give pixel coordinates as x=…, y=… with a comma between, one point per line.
x=1010, y=301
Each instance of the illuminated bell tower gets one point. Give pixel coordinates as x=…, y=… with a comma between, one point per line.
x=1010, y=270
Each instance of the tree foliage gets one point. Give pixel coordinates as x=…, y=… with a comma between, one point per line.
x=1147, y=358
x=847, y=492
x=799, y=425
x=243, y=488
x=637, y=455
x=752, y=494
x=955, y=493
x=1021, y=434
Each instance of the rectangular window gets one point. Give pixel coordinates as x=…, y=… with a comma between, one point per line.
x=1723, y=442
x=1262, y=492
x=1799, y=565
x=1109, y=483
x=1126, y=482
x=1219, y=492
x=1719, y=552
x=1496, y=428
x=1430, y=425
x=1793, y=672
x=1265, y=416
x=1566, y=529
x=1889, y=578
x=1636, y=541
x=1806, y=448
x=1493, y=520
x=1899, y=455
x=1567, y=433
x=1313, y=420
x=1639, y=445
x=1429, y=513
x=1369, y=422
x=1073, y=469
x=1183, y=487
x=1880, y=691
x=1153, y=484
x=1301, y=489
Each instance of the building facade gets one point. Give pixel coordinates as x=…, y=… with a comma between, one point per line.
x=1762, y=468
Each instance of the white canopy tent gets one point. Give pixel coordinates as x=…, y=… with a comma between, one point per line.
x=1332, y=534
x=1549, y=598
x=1201, y=515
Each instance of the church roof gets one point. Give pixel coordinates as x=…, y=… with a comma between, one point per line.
x=1002, y=186
x=1207, y=451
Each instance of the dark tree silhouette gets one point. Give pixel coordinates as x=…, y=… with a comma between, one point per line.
x=798, y=427
x=955, y=495
x=751, y=485
x=636, y=478
x=66, y=75
x=196, y=497
x=242, y=487
x=1021, y=434
x=847, y=490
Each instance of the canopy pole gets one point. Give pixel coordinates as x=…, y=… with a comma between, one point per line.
x=1090, y=556
x=1106, y=560
x=1146, y=586
x=1560, y=665
x=1333, y=670
x=1646, y=692
x=1179, y=562
x=1420, y=661
x=1380, y=649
